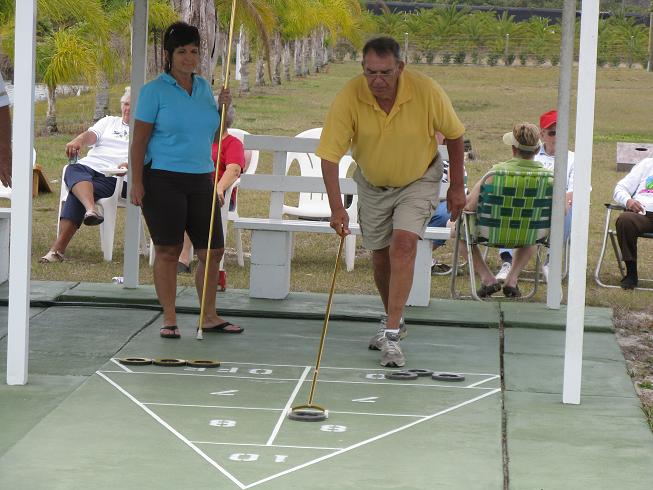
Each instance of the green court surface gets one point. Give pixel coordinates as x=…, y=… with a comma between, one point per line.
x=87, y=421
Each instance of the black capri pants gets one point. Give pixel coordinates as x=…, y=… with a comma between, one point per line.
x=175, y=202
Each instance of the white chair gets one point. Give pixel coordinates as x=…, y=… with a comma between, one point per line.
x=251, y=164
x=316, y=205
x=110, y=207
x=5, y=192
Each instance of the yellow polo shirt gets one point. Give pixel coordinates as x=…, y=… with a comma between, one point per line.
x=392, y=150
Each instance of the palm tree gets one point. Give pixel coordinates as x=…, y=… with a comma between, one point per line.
x=160, y=16
x=255, y=16
x=544, y=37
x=71, y=44
x=475, y=30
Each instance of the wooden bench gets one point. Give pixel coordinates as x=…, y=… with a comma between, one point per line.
x=271, y=250
x=5, y=225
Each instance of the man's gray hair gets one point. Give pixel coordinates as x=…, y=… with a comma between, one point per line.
x=126, y=96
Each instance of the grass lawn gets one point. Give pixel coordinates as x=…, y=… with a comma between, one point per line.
x=488, y=100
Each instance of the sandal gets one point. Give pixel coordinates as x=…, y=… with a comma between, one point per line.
x=487, y=290
x=510, y=292
x=93, y=217
x=224, y=328
x=51, y=257
x=183, y=268
x=173, y=332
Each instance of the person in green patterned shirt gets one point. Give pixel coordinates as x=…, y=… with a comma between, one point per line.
x=525, y=142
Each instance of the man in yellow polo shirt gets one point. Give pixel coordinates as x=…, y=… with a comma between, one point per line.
x=389, y=118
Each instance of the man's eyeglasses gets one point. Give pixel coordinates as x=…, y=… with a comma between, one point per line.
x=383, y=75
x=551, y=132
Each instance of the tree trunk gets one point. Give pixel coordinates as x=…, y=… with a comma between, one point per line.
x=51, y=117
x=299, y=72
x=306, y=54
x=101, y=98
x=276, y=59
x=317, y=44
x=286, y=60
x=260, y=70
x=244, y=63
x=201, y=13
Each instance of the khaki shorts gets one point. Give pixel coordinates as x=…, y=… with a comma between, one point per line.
x=381, y=210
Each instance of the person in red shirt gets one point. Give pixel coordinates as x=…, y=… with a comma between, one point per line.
x=232, y=160
x=232, y=164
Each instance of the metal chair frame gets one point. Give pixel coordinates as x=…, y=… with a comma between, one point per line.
x=608, y=232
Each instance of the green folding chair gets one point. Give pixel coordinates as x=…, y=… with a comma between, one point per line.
x=514, y=210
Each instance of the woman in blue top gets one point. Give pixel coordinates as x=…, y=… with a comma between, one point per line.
x=176, y=123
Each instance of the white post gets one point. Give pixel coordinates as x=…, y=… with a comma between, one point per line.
x=21, y=196
x=139, y=60
x=238, y=59
x=581, y=206
x=554, y=287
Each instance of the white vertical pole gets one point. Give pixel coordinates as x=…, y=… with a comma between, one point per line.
x=581, y=206
x=238, y=59
x=20, y=250
x=554, y=286
x=139, y=60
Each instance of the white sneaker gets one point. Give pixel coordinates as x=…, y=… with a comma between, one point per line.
x=391, y=354
x=545, y=273
x=504, y=271
x=376, y=342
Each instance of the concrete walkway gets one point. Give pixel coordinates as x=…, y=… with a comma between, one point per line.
x=73, y=427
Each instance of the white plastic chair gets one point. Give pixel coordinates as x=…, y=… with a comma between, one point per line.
x=5, y=192
x=251, y=164
x=110, y=207
x=316, y=205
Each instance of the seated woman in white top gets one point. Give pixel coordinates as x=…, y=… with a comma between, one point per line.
x=109, y=142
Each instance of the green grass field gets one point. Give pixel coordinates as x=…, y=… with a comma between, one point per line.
x=488, y=100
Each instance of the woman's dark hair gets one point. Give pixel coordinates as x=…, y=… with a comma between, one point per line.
x=178, y=34
x=383, y=46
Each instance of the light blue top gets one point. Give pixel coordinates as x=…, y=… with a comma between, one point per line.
x=184, y=125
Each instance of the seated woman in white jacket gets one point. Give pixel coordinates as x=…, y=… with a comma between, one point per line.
x=635, y=193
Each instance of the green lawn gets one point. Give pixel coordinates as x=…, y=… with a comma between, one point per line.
x=488, y=100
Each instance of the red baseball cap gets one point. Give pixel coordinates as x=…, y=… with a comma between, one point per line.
x=548, y=119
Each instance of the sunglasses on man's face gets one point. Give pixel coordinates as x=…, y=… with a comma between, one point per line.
x=551, y=132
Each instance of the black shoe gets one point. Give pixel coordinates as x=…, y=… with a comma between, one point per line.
x=510, y=292
x=485, y=291
x=181, y=267
x=629, y=282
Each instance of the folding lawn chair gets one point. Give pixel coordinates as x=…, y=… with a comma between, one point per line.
x=514, y=210
x=608, y=232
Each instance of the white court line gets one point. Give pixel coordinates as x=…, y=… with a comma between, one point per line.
x=390, y=383
x=211, y=406
x=172, y=430
x=124, y=368
x=342, y=368
x=474, y=385
x=260, y=378
x=380, y=414
x=282, y=417
x=372, y=439
x=265, y=445
x=284, y=410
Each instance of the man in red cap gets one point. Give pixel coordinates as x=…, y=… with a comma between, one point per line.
x=546, y=156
